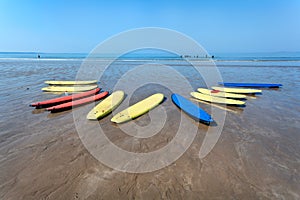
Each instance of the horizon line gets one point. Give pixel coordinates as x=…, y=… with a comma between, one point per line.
x=259, y=52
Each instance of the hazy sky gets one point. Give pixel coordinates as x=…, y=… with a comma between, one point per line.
x=218, y=25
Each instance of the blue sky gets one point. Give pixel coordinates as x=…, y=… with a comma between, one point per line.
x=219, y=26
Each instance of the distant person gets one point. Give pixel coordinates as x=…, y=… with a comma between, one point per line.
x=39, y=56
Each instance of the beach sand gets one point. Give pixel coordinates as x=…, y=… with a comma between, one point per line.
x=42, y=157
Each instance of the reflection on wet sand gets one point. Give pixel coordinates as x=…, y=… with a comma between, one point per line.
x=38, y=111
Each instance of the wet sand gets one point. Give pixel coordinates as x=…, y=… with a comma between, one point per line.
x=42, y=157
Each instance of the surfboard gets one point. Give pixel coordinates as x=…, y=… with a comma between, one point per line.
x=64, y=99
x=252, y=85
x=218, y=93
x=237, y=90
x=139, y=108
x=106, y=106
x=191, y=109
x=69, y=88
x=71, y=82
x=213, y=99
x=79, y=102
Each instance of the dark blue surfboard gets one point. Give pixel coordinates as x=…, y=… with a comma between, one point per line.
x=191, y=109
x=253, y=85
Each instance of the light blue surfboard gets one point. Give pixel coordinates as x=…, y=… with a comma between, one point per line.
x=191, y=109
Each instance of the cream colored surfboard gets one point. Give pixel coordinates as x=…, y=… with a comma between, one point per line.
x=237, y=90
x=69, y=88
x=138, y=109
x=218, y=93
x=106, y=106
x=213, y=99
x=71, y=82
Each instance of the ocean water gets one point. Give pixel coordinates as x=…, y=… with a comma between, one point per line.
x=256, y=156
x=281, y=59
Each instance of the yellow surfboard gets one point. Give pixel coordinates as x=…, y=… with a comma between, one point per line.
x=214, y=99
x=106, y=106
x=237, y=90
x=71, y=82
x=69, y=88
x=218, y=93
x=139, y=108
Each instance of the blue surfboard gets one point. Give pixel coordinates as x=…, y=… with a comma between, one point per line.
x=191, y=109
x=253, y=85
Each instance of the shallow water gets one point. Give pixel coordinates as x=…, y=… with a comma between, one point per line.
x=256, y=156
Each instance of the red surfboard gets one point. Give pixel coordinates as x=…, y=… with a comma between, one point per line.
x=64, y=99
x=77, y=102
